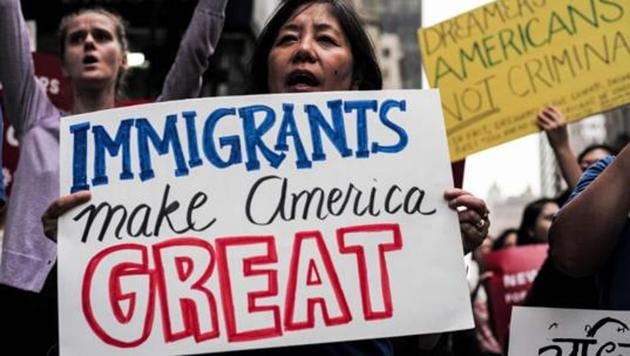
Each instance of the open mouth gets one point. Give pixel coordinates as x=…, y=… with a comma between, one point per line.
x=302, y=78
x=89, y=59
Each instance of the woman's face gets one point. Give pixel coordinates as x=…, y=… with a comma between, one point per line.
x=93, y=55
x=510, y=240
x=543, y=222
x=311, y=53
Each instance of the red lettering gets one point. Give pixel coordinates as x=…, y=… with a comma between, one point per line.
x=110, y=322
x=239, y=286
x=310, y=253
x=121, y=285
x=313, y=278
x=370, y=243
x=188, y=308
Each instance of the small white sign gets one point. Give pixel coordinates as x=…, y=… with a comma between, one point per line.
x=557, y=332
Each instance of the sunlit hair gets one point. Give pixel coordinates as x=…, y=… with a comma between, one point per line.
x=120, y=27
x=528, y=222
x=366, y=72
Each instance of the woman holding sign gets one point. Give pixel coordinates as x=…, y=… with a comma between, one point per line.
x=93, y=49
x=319, y=45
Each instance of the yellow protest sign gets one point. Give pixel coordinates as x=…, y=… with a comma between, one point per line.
x=498, y=65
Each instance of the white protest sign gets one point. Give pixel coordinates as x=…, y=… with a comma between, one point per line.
x=258, y=221
x=557, y=332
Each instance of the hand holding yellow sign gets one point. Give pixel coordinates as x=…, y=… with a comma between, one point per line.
x=497, y=65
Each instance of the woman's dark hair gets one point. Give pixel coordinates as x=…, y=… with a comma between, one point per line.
x=593, y=147
x=366, y=72
x=528, y=221
x=499, y=242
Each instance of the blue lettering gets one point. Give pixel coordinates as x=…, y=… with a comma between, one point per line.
x=253, y=136
x=232, y=141
x=171, y=138
x=402, y=134
x=103, y=142
x=224, y=148
x=361, y=106
x=288, y=127
x=191, y=130
x=79, y=157
x=336, y=133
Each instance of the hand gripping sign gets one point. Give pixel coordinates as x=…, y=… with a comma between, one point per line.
x=258, y=221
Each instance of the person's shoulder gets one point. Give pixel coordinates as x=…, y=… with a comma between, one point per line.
x=590, y=174
x=603, y=163
x=596, y=168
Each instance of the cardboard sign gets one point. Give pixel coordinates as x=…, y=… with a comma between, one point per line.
x=258, y=221
x=498, y=65
x=513, y=271
x=557, y=332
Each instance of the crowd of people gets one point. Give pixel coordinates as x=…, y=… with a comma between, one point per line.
x=562, y=281
x=307, y=46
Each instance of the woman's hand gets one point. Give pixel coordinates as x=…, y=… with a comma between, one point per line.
x=552, y=121
x=473, y=217
x=60, y=207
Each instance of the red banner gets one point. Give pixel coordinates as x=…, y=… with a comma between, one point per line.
x=512, y=272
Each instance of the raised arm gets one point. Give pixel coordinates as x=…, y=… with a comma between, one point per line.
x=586, y=230
x=199, y=42
x=552, y=121
x=24, y=100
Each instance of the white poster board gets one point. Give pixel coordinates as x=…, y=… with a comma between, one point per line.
x=556, y=332
x=212, y=243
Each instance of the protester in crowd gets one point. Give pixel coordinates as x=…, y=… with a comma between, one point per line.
x=591, y=234
x=93, y=49
x=536, y=220
x=533, y=230
x=554, y=123
x=320, y=45
x=486, y=342
x=552, y=287
x=592, y=154
x=507, y=238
